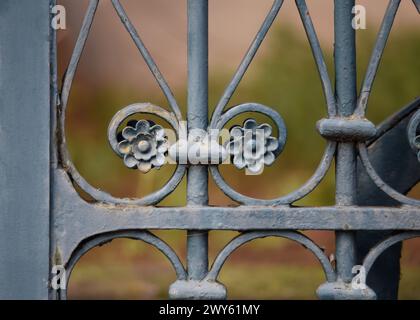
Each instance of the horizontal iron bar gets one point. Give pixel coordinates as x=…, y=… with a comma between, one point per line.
x=110, y=218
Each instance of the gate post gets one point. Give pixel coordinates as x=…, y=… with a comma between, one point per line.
x=346, y=94
x=346, y=157
x=25, y=143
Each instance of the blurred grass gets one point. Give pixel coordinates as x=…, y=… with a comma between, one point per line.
x=410, y=283
x=285, y=79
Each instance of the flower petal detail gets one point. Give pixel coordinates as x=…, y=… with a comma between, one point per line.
x=260, y=144
x=239, y=161
x=416, y=142
x=142, y=126
x=124, y=147
x=256, y=166
x=144, y=155
x=144, y=166
x=253, y=146
x=162, y=146
x=130, y=161
x=129, y=133
x=266, y=128
x=271, y=144
x=144, y=145
x=159, y=160
x=250, y=124
x=234, y=147
x=236, y=132
x=158, y=132
x=269, y=158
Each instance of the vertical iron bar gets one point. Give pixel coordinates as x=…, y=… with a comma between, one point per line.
x=346, y=93
x=54, y=100
x=197, y=116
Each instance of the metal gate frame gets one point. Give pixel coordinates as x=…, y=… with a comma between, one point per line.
x=45, y=222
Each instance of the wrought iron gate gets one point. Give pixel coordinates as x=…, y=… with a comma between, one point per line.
x=44, y=221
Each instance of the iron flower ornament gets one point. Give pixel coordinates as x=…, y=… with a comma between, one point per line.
x=144, y=145
x=252, y=146
x=413, y=135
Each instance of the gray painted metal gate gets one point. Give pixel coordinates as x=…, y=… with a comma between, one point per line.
x=44, y=221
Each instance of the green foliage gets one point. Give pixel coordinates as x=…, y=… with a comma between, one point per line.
x=397, y=82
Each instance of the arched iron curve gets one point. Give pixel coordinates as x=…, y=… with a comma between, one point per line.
x=66, y=161
x=376, y=251
x=218, y=120
x=364, y=157
x=412, y=128
x=100, y=239
x=305, y=189
x=252, y=235
x=257, y=108
x=133, y=109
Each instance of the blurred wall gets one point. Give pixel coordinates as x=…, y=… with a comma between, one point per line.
x=111, y=58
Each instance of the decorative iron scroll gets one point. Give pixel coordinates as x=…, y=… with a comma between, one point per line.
x=144, y=145
x=413, y=133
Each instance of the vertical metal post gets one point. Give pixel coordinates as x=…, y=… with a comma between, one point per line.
x=346, y=93
x=25, y=148
x=197, y=116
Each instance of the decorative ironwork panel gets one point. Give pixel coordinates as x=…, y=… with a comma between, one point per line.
x=352, y=142
x=144, y=146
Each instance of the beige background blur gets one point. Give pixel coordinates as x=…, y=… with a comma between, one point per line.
x=111, y=57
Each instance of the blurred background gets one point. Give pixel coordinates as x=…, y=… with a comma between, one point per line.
x=112, y=75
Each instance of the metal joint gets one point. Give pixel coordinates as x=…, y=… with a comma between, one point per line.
x=193, y=289
x=346, y=129
x=341, y=290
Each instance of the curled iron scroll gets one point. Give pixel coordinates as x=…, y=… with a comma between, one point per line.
x=100, y=239
x=413, y=134
x=380, y=183
x=291, y=235
x=219, y=119
x=282, y=135
x=376, y=251
x=172, y=118
x=364, y=157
